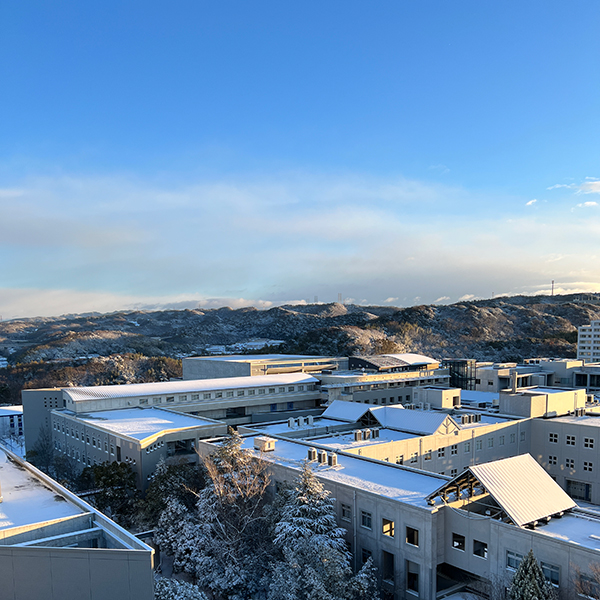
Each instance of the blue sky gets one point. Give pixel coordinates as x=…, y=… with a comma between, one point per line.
x=238, y=153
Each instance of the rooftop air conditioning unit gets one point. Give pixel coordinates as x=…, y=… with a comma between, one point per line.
x=332, y=460
x=420, y=406
x=375, y=433
x=310, y=419
x=312, y=454
x=366, y=434
x=427, y=406
x=264, y=444
x=291, y=422
x=357, y=435
x=322, y=456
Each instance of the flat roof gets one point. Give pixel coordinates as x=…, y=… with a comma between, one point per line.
x=385, y=479
x=283, y=427
x=7, y=411
x=259, y=357
x=78, y=394
x=26, y=500
x=575, y=528
x=141, y=423
x=587, y=420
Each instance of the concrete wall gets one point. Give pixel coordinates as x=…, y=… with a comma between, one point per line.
x=37, y=405
x=197, y=368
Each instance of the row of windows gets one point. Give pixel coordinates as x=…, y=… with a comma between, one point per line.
x=551, y=572
x=459, y=542
x=571, y=440
x=388, y=527
x=570, y=463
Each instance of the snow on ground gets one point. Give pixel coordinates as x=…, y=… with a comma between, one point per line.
x=141, y=423
x=26, y=500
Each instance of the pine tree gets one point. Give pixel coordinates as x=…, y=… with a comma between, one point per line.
x=529, y=582
x=315, y=563
x=172, y=589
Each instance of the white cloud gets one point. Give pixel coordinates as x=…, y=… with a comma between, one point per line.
x=466, y=297
x=587, y=204
x=562, y=185
x=390, y=300
x=442, y=299
x=531, y=202
x=591, y=185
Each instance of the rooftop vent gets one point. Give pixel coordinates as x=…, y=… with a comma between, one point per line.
x=357, y=435
x=291, y=422
x=374, y=433
x=310, y=419
x=322, y=456
x=366, y=434
x=312, y=454
x=264, y=444
x=332, y=459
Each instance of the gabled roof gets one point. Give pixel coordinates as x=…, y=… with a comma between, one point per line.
x=519, y=485
x=423, y=422
x=345, y=411
x=413, y=359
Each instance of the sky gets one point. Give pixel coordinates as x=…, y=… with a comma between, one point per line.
x=191, y=153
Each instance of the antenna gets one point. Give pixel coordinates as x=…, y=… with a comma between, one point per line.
x=552, y=287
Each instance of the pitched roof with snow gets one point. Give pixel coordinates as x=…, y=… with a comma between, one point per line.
x=340, y=410
x=520, y=486
x=413, y=359
x=423, y=422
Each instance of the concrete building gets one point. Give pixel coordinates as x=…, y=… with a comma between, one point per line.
x=431, y=535
x=11, y=421
x=588, y=342
x=234, y=400
x=140, y=437
x=55, y=546
x=246, y=365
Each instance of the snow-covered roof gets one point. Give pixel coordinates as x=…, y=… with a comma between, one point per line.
x=259, y=357
x=413, y=359
x=402, y=484
x=520, y=486
x=26, y=500
x=345, y=411
x=423, y=422
x=78, y=394
x=9, y=411
x=582, y=530
x=141, y=423
x=474, y=396
x=345, y=440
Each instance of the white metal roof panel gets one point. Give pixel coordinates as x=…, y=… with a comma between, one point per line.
x=522, y=488
x=413, y=359
x=341, y=410
x=79, y=394
x=423, y=422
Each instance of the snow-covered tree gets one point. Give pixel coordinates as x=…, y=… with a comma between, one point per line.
x=529, y=582
x=224, y=542
x=316, y=563
x=172, y=589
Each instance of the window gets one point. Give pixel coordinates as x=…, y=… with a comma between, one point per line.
x=230, y=394
x=579, y=490
x=588, y=442
x=490, y=383
x=427, y=455
x=155, y=400
x=467, y=446
x=478, y=444
x=490, y=442
x=454, y=449
x=522, y=436
x=290, y=388
x=170, y=398
x=513, y=438
x=412, y=577
x=105, y=446
x=273, y=407
x=87, y=439
x=387, y=563
x=218, y=394
x=300, y=388
x=195, y=397
x=112, y=449
x=366, y=519
x=551, y=573
x=412, y=536
x=261, y=391
x=282, y=390
x=453, y=472
x=480, y=549
x=501, y=441
x=570, y=463
x=458, y=541
x=182, y=398
x=570, y=440
x=387, y=527
x=251, y=392
x=552, y=460
x=346, y=512
x=143, y=400
x=271, y=390
x=513, y=560
x=240, y=392
x=365, y=555
x=290, y=405
x=413, y=457
x=400, y=459
x=441, y=452
x=587, y=466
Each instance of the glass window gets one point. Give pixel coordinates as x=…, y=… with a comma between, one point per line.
x=366, y=519
x=570, y=440
x=552, y=460
x=513, y=438
x=230, y=394
x=553, y=438
x=346, y=512
x=478, y=444
x=441, y=452
x=588, y=442
x=458, y=541
x=413, y=457
x=587, y=466
x=240, y=392
x=387, y=527
x=480, y=549
x=273, y=407
x=427, y=455
x=467, y=446
x=387, y=571
x=170, y=398
x=195, y=396
x=513, y=560
x=412, y=536
x=412, y=577
x=551, y=573
x=490, y=442
x=182, y=398
x=365, y=555
x=251, y=392
x=501, y=440
x=454, y=449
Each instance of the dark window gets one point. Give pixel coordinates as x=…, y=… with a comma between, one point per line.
x=387, y=571
x=458, y=541
x=366, y=519
x=346, y=512
x=412, y=536
x=273, y=407
x=480, y=548
x=290, y=405
x=412, y=576
x=365, y=555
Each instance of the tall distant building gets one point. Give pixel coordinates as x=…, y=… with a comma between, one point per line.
x=588, y=342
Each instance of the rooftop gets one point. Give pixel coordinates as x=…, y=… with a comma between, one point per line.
x=260, y=357
x=26, y=500
x=345, y=440
x=140, y=423
x=392, y=481
x=7, y=411
x=79, y=394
